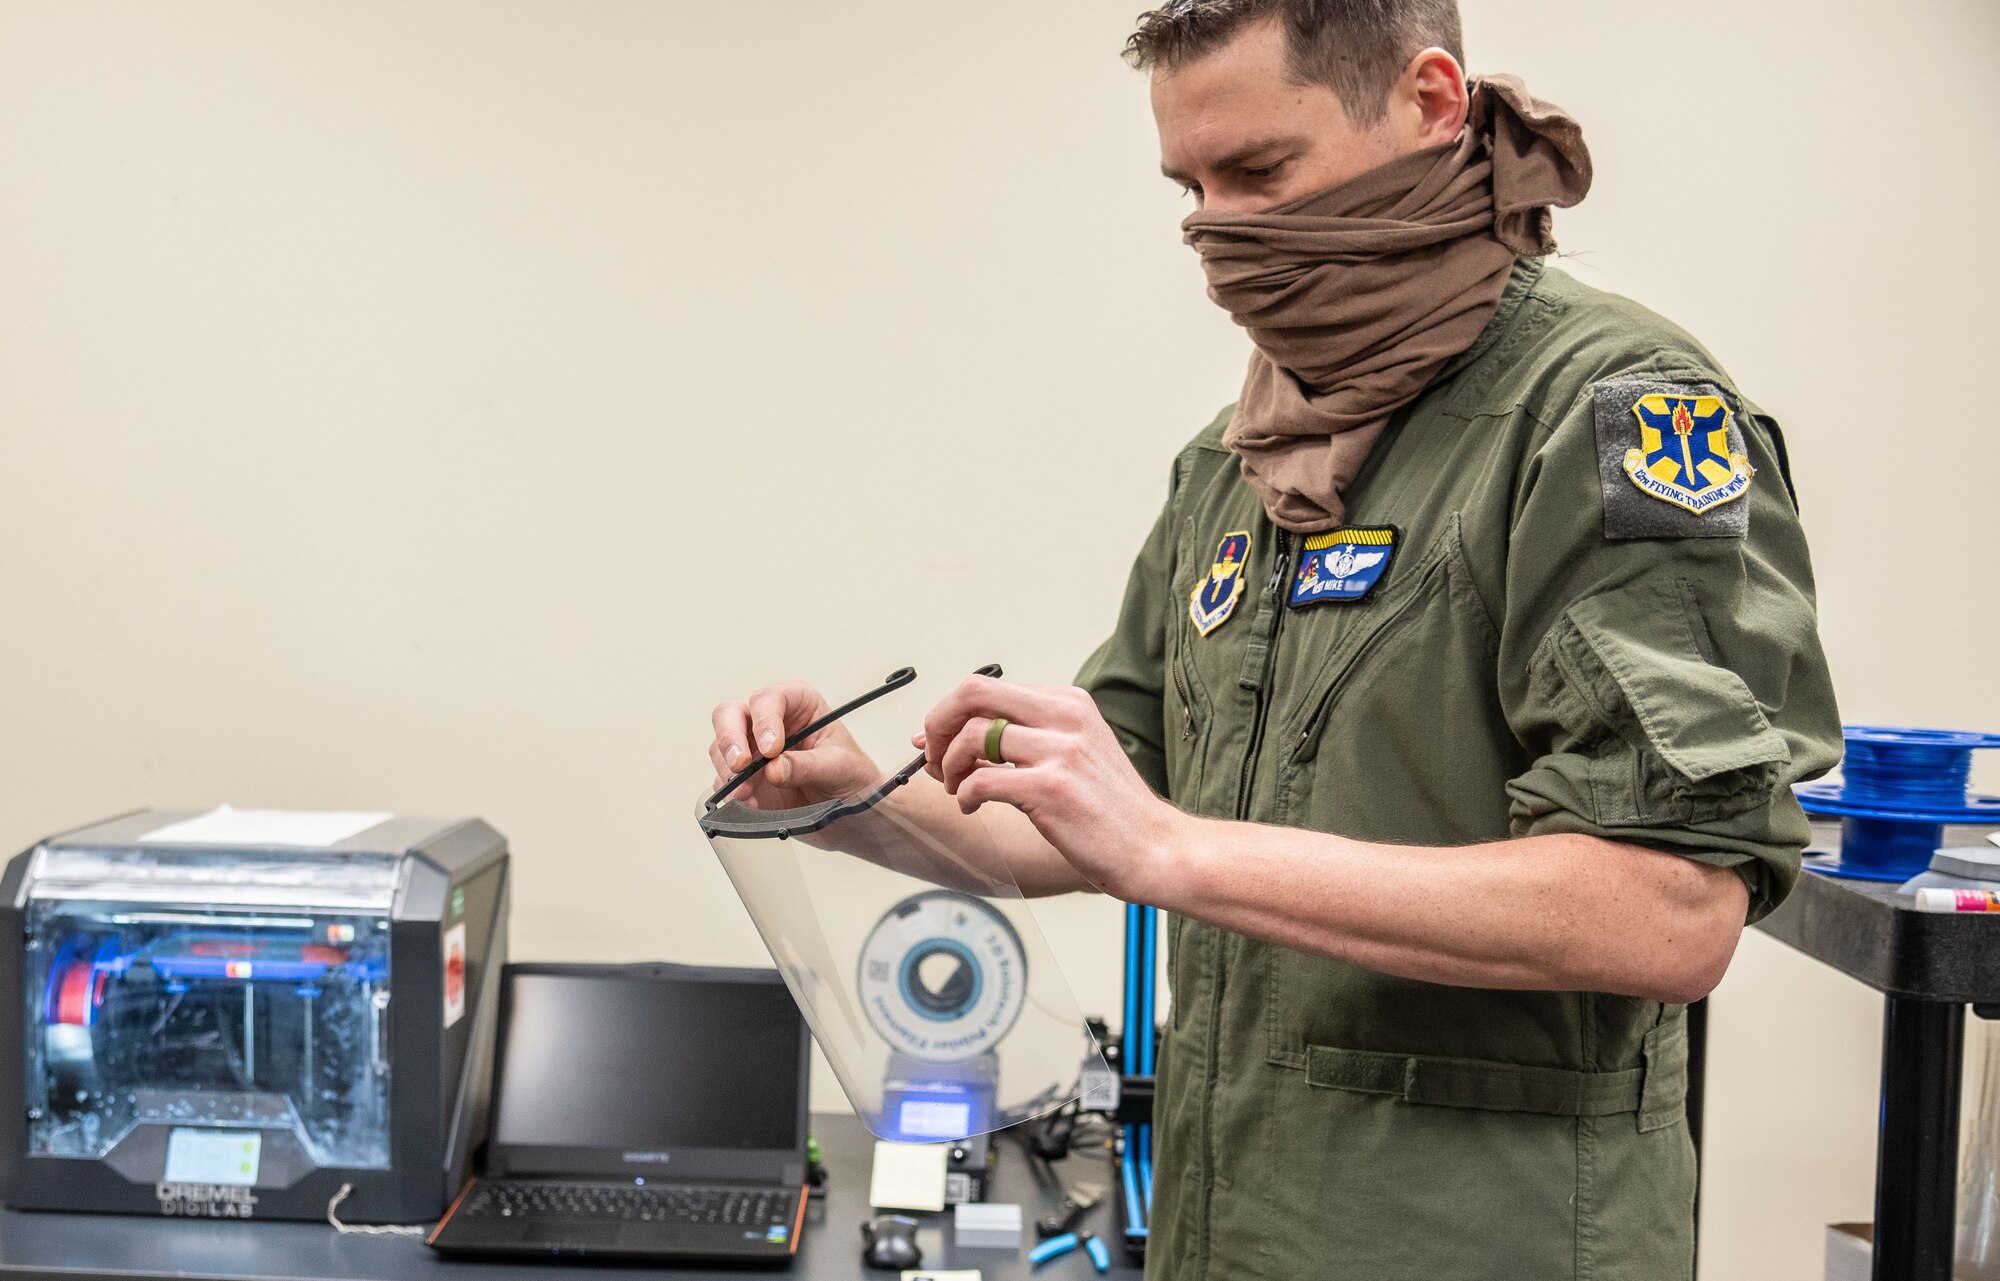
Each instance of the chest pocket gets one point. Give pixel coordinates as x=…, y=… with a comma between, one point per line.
x=1399, y=736
x=1395, y=734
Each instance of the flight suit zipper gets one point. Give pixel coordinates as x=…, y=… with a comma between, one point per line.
x=1271, y=617
x=1281, y=569
x=1283, y=565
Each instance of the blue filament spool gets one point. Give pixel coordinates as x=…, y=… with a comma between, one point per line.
x=1899, y=789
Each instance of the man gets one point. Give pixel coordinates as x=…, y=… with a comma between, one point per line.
x=1454, y=702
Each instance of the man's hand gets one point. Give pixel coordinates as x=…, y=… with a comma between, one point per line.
x=831, y=764
x=1065, y=770
x=827, y=765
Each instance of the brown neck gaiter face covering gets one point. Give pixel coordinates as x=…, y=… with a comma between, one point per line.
x=1358, y=295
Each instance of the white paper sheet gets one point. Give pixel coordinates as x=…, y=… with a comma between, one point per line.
x=908, y=1176
x=225, y=825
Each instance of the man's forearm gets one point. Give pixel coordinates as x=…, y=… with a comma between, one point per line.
x=1022, y=852
x=1558, y=913
x=1555, y=913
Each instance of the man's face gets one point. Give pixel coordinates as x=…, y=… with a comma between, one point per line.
x=1241, y=134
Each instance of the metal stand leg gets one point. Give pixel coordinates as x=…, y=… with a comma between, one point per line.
x=1697, y=1100
x=1916, y=1161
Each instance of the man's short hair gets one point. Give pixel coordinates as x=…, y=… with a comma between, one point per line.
x=1358, y=48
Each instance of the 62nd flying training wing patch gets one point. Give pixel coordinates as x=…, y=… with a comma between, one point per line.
x=1671, y=461
x=1214, y=598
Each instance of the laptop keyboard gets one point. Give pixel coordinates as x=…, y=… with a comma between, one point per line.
x=620, y=1202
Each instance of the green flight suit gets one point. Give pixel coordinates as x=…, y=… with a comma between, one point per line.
x=1517, y=671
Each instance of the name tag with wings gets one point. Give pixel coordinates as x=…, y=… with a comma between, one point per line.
x=1342, y=565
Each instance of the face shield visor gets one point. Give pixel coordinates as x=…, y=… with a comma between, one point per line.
x=909, y=948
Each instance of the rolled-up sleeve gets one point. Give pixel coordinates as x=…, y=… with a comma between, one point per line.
x=1126, y=676
x=1668, y=690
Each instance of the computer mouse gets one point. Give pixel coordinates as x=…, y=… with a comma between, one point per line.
x=891, y=1243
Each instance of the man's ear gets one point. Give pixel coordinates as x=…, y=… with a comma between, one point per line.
x=1428, y=105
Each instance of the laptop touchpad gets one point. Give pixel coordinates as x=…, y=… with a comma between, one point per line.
x=582, y=1236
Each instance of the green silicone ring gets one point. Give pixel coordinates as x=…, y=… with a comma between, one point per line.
x=993, y=733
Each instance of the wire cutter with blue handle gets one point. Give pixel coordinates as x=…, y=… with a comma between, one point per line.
x=1056, y=1247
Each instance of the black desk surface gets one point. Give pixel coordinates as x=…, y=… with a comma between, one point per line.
x=75, y=1245
x=1866, y=930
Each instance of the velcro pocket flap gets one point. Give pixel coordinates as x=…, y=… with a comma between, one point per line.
x=1475, y=1083
x=1701, y=719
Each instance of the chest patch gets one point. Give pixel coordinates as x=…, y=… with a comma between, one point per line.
x=1671, y=460
x=1214, y=598
x=1342, y=565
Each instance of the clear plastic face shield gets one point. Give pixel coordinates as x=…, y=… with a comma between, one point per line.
x=912, y=954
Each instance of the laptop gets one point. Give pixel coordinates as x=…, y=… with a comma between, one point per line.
x=647, y=1112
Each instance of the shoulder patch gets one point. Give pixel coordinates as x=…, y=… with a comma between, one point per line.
x=1670, y=460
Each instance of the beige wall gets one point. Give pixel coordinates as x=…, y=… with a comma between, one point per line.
x=438, y=407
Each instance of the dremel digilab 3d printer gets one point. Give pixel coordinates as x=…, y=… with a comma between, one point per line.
x=240, y=1013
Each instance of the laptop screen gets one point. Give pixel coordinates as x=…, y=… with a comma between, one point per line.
x=645, y=1060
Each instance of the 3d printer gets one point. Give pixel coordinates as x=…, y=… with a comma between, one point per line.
x=212, y=1026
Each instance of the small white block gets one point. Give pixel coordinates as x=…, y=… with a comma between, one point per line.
x=986, y=1225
